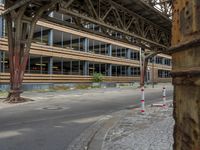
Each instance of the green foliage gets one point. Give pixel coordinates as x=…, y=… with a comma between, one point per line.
x=59, y=88
x=82, y=86
x=3, y=93
x=97, y=77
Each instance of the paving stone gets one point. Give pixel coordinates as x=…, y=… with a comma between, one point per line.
x=152, y=131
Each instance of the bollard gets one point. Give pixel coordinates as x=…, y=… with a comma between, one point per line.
x=142, y=100
x=164, y=96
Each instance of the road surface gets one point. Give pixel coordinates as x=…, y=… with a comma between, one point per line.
x=55, y=119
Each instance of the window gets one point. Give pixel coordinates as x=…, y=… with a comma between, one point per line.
x=66, y=67
x=4, y=62
x=159, y=60
x=167, y=62
x=2, y=1
x=136, y=71
x=135, y=55
x=36, y=64
x=163, y=73
x=41, y=35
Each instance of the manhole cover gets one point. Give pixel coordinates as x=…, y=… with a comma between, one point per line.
x=53, y=108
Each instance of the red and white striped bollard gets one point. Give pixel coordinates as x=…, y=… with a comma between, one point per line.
x=142, y=100
x=164, y=96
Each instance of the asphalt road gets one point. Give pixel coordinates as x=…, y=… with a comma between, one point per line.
x=55, y=119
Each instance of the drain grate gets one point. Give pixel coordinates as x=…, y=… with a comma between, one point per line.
x=52, y=108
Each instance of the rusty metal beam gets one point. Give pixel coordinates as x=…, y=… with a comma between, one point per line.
x=186, y=74
x=110, y=27
x=14, y=7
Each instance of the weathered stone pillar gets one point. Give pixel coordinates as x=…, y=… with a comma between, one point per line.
x=186, y=73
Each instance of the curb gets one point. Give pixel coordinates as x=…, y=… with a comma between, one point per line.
x=92, y=138
x=88, y=139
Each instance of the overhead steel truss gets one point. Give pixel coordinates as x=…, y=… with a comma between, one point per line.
x=111, y=17
x=164, y=6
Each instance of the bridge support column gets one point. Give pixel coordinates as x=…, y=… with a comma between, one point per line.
x=186, y=74
x=143, y=66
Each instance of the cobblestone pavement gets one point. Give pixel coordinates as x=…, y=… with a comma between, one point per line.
x=151, y=131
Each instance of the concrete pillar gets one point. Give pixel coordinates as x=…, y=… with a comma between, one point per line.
x=50, y=34
x=110, y=50
x=128, y=55
x=1, y=61
x=109, y=69
x=50, y=66
x=85, y=68
x=1, y=26
x=50, y=38
x=186, y=74
x=163, y=61
x=129, y=71
x=86, y=45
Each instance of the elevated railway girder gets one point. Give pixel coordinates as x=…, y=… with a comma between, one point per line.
x=135, y=21
x=164, y=6
x=132, y=26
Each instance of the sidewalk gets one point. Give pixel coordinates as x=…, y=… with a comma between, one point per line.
x=130, y=130
x=152, y=131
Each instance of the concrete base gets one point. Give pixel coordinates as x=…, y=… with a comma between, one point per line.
x=42, y=86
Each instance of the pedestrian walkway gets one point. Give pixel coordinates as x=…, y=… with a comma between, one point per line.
x=151, y=131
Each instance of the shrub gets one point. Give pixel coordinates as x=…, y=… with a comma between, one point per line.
x=97, y=77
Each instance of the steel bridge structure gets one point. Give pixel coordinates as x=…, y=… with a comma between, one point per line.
x=143, y=23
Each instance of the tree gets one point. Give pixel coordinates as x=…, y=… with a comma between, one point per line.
x=21, y=18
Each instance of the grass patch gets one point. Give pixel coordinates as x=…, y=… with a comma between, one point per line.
x=42, y=90
x=3, y=94
x=81, y=86
x=96, y=86
x=59, y=88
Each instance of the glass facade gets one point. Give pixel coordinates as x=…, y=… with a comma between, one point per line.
x=163, y=61
x=38, y=64
x=164, y=73
x=2, y=1
x=52, y=65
